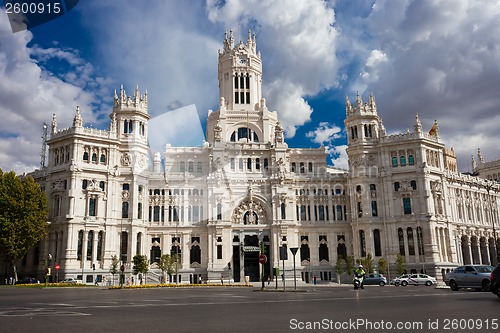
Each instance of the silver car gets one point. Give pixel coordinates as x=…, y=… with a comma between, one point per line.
x=469, y=276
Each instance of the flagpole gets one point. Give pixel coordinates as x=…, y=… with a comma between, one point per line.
x=248, y=129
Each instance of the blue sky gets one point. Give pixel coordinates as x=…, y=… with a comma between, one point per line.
x=440, y=58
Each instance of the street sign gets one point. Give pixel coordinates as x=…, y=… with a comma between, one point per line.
x=294, y=250
x=262, y=259
x=58, y=267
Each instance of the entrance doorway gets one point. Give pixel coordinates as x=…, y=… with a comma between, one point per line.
x=250, y=258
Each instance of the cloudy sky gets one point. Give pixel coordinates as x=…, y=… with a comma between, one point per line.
x=440, y=58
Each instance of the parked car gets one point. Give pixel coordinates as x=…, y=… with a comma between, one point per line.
x=374, y=279
x=71, y=280
x=397, y=281
x=495, y=281
x=417, y=279
x=28, y=280
x=469, y=276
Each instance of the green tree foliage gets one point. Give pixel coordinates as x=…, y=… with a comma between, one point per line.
x=113, y=269
x=339, y=267
x=400, y=264
x=382, y=266
x=140, y=264
x=167, y=264
x=349, y=267
x=368, y=263
x=23, y=216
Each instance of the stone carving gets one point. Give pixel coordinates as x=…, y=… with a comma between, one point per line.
x=278, y=133
x=217, y=132
x=126, y=159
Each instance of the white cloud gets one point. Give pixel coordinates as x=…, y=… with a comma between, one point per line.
x=338, y=155
x=325, y=133
x=29, y=96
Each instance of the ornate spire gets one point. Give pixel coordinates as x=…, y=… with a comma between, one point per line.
x=473, y=161
x=112, y=125
x=54, y=124
x=359, y=102
x=418, y=124
x=480, y=156
x=371, y=103
x=77, y=120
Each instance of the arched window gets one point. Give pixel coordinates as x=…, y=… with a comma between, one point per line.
x=100, y=239
x=266, y=164
x=249, y=164
x=402, y=160
x=413, y=184
x=86, y=156
x=394, y=161
x=195, y=254
x=411, y=242
x=103, y=158
x=411, y=160
x=244, y=134
x=401, y=242
x=283, y=211
x=80, y=245
x=90, y=245
x=396, y=186
x=94, y=157
x=362, y=244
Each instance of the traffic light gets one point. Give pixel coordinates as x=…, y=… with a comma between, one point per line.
x=229, y=265
x=93, y=267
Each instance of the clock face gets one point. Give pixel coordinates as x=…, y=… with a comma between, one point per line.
x=242, y=61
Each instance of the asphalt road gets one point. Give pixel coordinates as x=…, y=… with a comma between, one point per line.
x=227, y=309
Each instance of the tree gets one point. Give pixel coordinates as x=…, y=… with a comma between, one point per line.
x=400, y=264
x=113, y=269
x=339, y=267
x=349, y=264
x=382, y=266
x=23, y=216
x=140, y=264
x=167, y=264
x=368, y=263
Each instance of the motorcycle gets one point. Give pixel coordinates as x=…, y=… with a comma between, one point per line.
x=358, y=281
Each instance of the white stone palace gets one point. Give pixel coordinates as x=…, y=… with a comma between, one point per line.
x=216, y=204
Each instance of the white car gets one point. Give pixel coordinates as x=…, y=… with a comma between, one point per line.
x=416, y=279
x=71, y=280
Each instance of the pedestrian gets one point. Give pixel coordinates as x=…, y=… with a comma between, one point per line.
x=96, y=281
x=199, y=279
x=283, y=277
x=314, y=279
x=221, y=279
x=268, y=279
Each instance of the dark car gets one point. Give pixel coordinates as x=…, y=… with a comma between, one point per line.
x=495, y=281
x=28, y=280
x=374, y=279
x=469, y=276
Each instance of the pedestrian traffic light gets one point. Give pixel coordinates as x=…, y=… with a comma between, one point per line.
x=93, y=267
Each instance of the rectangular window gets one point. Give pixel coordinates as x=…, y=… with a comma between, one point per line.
x=219, y=251
x=303, y=213
x=92, y=206
x=236, y=98
x=374, y=208
x=156, y=213
x=407, y=206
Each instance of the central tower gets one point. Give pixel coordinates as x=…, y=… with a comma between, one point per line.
x=242, y=116
x=240, y=73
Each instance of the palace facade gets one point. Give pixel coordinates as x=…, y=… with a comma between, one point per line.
x=244, y=189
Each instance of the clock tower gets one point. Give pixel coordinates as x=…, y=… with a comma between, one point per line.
x=240, y=73
x=243, y=116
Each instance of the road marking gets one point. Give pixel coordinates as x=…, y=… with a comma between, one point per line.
x=36, y=312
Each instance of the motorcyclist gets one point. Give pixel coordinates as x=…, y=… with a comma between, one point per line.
x=360, y=272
